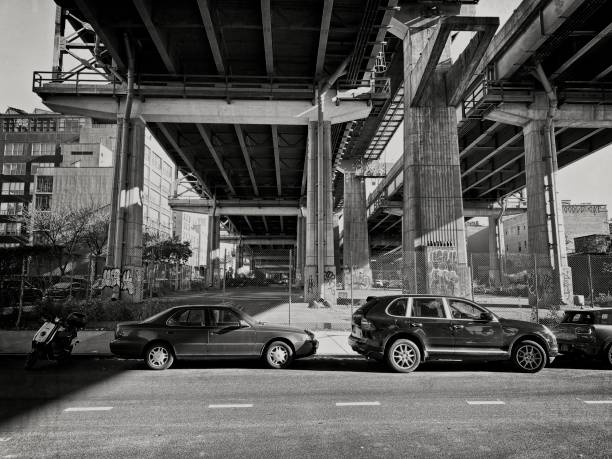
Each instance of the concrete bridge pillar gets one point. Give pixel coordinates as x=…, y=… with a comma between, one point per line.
x=319, y=269
x=494, y=253
x=434, y=241
x=356, y=250
x=300, y=250
x=212, y=255
x=551, y=280
x=124, y=271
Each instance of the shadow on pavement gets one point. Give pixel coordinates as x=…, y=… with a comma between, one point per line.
x=25, y=391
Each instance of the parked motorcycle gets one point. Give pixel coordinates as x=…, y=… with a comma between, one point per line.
x=55, y=339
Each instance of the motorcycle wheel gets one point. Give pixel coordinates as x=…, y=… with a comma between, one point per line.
x=31, y=360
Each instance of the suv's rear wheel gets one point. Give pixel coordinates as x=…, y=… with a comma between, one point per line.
x=403, y=355
x=608, y=356
x=529, y=357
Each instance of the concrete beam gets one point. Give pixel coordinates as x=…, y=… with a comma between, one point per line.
x=470, y=212
x=212, y=111
x=462, y=71
x=187, y=159
x=328, y=6
x=247, y=157
x=259, y=240
x=242, y=207
x=211, y=35
x=423, y=70
x=276, y=159
x=144, y=8
x=266, y=21
x=569, y=115
x=215, y=155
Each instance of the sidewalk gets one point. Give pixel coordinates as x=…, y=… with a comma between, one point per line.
x=96, y=343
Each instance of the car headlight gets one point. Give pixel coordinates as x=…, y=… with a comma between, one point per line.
x=549, y=334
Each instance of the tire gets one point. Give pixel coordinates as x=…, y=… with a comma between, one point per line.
x=529, y=357
x=278, y=355
x=403, y=356
x=31, y=360
x=159, y=356
x=608, y=356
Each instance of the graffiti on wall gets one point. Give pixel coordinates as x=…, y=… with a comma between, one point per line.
x=442, y=271
x=310, y=286
x=112, y=277
x=329, y=284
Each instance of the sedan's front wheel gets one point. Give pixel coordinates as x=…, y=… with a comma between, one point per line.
x=278, y=355
x=159, y=356
x=608, y=356
x=403, y=356
x=529, y=357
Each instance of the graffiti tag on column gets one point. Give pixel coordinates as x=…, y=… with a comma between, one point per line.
x=310, y=285
x=329, y=280
x=112, y=277
x=443, y=278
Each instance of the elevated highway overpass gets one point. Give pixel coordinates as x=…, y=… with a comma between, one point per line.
x=273, y=110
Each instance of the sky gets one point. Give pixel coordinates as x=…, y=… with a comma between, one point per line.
x=26, y=44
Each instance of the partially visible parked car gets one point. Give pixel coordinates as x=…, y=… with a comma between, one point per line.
x=405, y=330
x=10, y=292
x=586, y=332
x=62, y=290
x=209, y=332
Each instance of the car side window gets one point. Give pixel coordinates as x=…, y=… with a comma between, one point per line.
x=398, y=307
x=605, y=318
x=463, y=310
x=427, y=307
x=187, y=318
x=221, y=317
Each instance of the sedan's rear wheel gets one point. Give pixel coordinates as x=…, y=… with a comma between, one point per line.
x=278, y=355
x=529, y=357
x=159, y=356
x=403, y=356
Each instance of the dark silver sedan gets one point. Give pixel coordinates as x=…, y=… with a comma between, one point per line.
x=209, y=332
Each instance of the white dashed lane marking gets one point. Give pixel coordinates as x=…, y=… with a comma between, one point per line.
x=485, y=402
x=598, y=402
x=5, y=439
x=358, y=404
x=235, y=405
x=89, y=408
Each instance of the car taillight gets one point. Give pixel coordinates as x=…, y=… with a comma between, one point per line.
x=367, y=325
x=584, y=330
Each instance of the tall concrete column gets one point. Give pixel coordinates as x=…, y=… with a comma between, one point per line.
x=356, y=244
x=300, y=250
x=319, y=269
x=212, y=255
x=552, y=276
x=494, y=253
x=434, y=241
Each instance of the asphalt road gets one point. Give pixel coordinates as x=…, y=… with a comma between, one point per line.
x=322, y=407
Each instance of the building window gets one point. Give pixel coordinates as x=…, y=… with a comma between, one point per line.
x=10, y=229
x=156, y=161
x=519, y=246
x=43, y=202
x=36, y=166
x=14, y=168
x=43, y=149
x=165, y=187
x=44, y=184
x=13, y=188
x=155, y=180
x=154, y=216
x=11, y=208
x=82, y=153
x=71, y=124
x=167, y=170
x=154, y=197
x=164, y=221
x=518, y=230
x=14, y=149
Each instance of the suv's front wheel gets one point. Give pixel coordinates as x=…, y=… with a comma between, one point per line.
x=403, y=355
x=529, y=357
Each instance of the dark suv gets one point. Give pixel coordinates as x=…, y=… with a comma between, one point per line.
x=405, y=330
x=587, y=332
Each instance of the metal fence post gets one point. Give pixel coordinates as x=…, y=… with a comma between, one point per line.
x=224, y=268
x=472, y=274
x=537, y=295
x=591, y=293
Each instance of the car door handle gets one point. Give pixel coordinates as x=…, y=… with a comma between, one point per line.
x=415, y=324
x=169, y=333
x=457, y=327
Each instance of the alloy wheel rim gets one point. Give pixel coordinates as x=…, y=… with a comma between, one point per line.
x=278, y=355
x=529, y=357
x=404, y=356
x=610, y=354
x=158, y=356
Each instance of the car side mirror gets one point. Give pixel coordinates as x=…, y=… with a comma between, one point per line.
x=244, y=324
x=486, y=316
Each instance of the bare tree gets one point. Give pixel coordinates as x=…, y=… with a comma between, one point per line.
x=96, y=237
